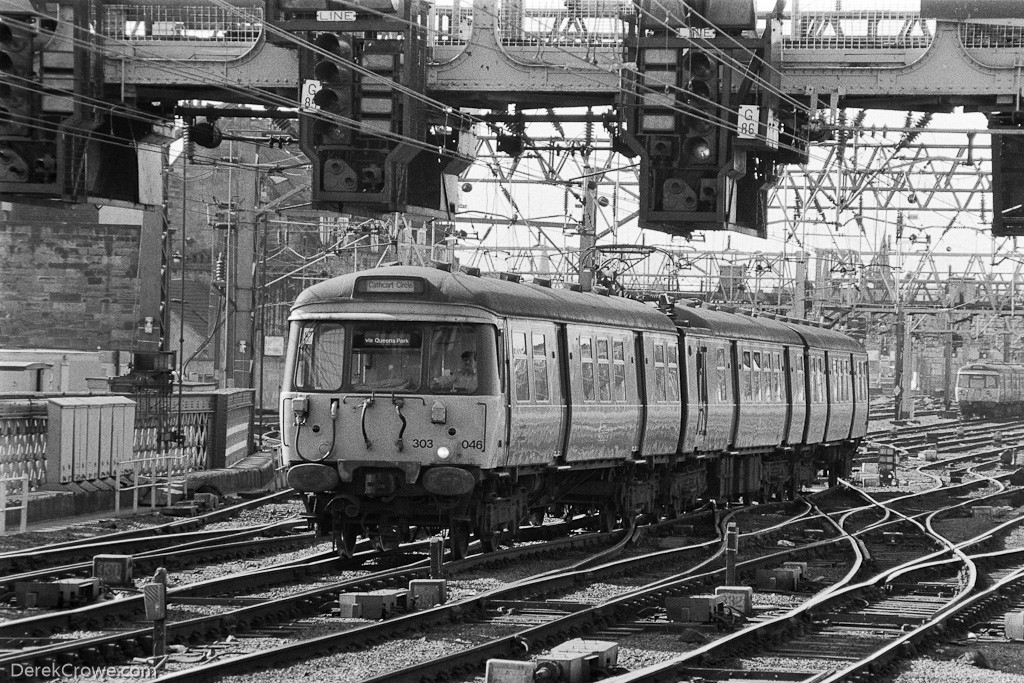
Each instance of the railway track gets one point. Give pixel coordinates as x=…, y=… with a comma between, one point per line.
x=534, y=612
x=31, y=641
x=527, y=603
x=185, y=530
x=211, y=547
x=854, y=632
x=529, y=620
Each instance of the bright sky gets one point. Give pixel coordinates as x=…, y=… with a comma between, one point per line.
x=863, y=227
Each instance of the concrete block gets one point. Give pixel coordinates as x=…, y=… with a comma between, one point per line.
x=37, y=594
x=207, y=501
x=800, y=567
x=378, y=604
x=1013, y=626
x=349, y=610
x=509, y=671
x=892, y=537
x=776, y=579
x=815, y=534
x=113, y=570
x=739, y=598
x=424, y=593
x=693, y=608
x=989, y=511
x=606, y=652
x=78, y=591
x=51, y=594
x=571, y=667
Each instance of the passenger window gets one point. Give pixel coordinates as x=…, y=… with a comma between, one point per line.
x=798, y=378
x=672, y=368
x=604, y=373
x=540, y=368
x=777, y=381
x=756, y=367
x=748, y=387
x=723, y=377
x=522, y=366
x=659, y=372
x=619, y=370
x=587, y=368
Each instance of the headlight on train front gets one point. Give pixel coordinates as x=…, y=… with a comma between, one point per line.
x=443, y=452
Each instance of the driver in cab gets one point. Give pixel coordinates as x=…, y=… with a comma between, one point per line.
x=464, y=379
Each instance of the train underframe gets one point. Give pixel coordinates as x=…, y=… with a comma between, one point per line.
x=990, y=409
x=380, y=505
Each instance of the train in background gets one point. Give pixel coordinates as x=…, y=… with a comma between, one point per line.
x=990, y=389
x=580, y=401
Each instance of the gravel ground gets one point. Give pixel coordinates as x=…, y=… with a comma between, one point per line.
x=1015, y=538
x=84, y=530
x=999, y=663
x=194, y=575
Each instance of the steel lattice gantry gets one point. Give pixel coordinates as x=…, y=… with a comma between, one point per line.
x=90, y=91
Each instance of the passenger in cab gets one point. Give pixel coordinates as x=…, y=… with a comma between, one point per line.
x=464, y=379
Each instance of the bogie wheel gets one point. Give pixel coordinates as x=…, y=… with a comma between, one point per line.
x=490, y=542
x=346, y=540
x=493, y=541
x=608, y=518
x=458, y=536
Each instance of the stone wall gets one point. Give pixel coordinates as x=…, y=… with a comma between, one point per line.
x=68, y=281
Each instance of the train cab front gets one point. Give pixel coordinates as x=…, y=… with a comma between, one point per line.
x=388, y=423
x=977, y=392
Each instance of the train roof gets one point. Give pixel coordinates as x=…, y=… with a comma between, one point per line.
x=501, y=297
x=755, y=328
x=991, y=366
x=732, y=325
x=824, y=338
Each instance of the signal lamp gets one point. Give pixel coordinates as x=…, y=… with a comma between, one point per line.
x=697, y=149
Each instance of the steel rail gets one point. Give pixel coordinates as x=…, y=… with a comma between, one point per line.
x=516, y=644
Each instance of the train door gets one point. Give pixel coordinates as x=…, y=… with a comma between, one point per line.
x=702, y=390
x=537, y=414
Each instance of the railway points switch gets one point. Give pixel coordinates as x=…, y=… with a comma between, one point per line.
x=49, y=594
x=565, y=667
x=424, y=593
x=990, y=511
x=510, y=671
x=800, y=567
x=605, y=651
x=378, y=604
x=777, y=579
x=694, y=608
x=113, y=570
x=1013, y=626
x=738, y=598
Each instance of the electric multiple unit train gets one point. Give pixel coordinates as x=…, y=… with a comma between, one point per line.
x=990, y=389
x=420, y=399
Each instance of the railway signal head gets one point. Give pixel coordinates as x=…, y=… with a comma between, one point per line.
x=334, y=99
